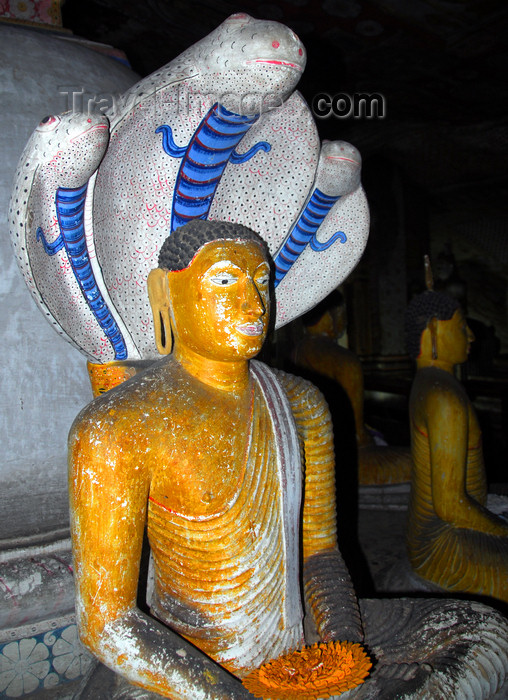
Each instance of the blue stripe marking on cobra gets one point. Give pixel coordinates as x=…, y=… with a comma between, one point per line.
x=304, y=232
x=70, y=205
x=204, y=160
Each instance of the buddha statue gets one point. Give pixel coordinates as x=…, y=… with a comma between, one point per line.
x=230, y=467
x=317, y=351
x=453, y=539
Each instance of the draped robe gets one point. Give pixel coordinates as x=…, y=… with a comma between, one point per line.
x=228, y=581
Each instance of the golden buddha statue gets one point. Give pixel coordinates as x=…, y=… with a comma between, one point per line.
x=229, y=465
x=318, y=351
x=453, y=540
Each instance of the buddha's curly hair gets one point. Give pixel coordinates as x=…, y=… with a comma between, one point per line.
x=181, y=246
x=420, y=310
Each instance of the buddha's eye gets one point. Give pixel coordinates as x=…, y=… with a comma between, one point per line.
x=224, y=279
x=262, y=280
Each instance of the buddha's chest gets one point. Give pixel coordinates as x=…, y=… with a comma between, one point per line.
x=474, y=432
x=201, y=460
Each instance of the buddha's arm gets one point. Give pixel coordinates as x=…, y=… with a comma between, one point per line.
x=108, y=493
x=327, y=358
x=327, y=583
x=349, y=374
x=446, y=416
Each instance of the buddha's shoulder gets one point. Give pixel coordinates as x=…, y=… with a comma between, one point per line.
x=138, y=397
x=433, y=384
x=295, y=387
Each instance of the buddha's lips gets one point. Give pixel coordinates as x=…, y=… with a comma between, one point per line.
x=251, y=328
x=273, y=62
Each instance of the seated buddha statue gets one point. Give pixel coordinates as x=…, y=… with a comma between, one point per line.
x=229, y=466
x=318, y=351
x=453, y=539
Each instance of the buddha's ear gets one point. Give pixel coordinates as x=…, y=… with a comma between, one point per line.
x=158, y=293
x=433, y=336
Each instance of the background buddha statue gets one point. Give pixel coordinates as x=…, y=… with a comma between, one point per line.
x=453, y=539
x=317, y=350
x=230, y=465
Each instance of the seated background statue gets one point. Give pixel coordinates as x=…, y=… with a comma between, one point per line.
x=453, y=540
x=205, y=448
x=317, y=350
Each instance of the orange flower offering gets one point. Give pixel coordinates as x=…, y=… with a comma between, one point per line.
x=313, y=672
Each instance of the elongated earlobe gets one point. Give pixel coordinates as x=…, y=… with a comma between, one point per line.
x=158, y=293
x=433, y=336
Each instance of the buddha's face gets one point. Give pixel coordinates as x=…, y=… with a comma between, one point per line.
x=220, y=302
x=331, y=324
x=455, y=338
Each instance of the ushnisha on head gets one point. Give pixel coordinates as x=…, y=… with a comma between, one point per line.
x=211, y=291
x=179, y=249
x=436, y=330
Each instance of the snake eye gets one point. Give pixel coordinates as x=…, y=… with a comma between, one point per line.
x=48, y=123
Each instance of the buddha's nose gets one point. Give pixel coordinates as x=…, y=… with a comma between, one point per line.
x=252, y=303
